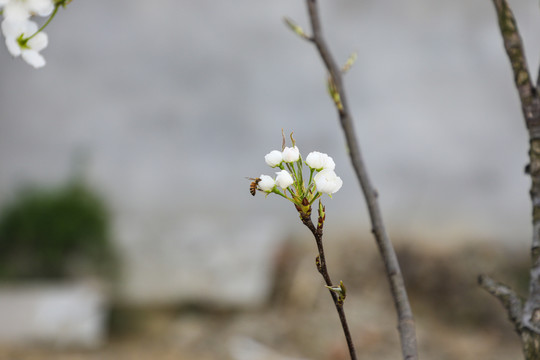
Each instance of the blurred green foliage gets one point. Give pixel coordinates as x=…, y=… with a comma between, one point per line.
x=56, y=234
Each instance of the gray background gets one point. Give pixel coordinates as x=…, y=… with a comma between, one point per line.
x=173, y=103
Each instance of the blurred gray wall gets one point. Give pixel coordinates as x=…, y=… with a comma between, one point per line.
x=173, y=103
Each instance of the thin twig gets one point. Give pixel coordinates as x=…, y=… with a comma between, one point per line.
x=321, y=266
x=405, y=317
x=508, y=298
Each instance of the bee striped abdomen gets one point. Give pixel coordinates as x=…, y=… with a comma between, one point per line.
x=253, y=185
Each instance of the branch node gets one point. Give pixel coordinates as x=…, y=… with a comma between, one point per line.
x=508, y=298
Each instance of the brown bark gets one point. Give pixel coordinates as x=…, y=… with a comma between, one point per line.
x=323, y=270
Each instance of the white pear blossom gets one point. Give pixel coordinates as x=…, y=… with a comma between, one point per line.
x=273, y=158
x=319, y=161
x=266, y=184
x=13, y=30
x=291, y=154
x=322, y=179
x=284, y=179
x=327, y=181
x=18, y=10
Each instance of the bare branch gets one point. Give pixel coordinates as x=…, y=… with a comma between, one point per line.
x=530, y=104
x=321, y=266
x=513, y=45
x=514, y=49
x=538, y=82
x=405, y=317
x=508, y=298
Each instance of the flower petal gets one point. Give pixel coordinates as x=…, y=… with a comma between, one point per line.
x=273, y=158
x=327, y=182
x=13, y=46
x=40, y=7
x=38, y=42
x=291, y=154
x=16, y=11
x=266, y=184
x=33, y=58
x=284, y=179
x=318, y=161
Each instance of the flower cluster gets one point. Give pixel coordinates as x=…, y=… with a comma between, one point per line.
x=289, y=181
x=22, y=35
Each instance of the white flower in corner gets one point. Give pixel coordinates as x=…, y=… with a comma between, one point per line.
x=320, y=161
x=328, y=182
x=16, y=31
x=17, y=10
x=273, y=158
x=291, y=154
x=284, y=179
x=266, y=183
x=40, y=7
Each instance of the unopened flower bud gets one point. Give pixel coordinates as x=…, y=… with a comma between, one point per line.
x=291, y=154
x=273, y=158
x=284, y=179
x=319, y=161
x=328, y=182
x=266, y=183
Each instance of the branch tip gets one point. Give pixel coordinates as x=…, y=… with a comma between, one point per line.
x=296, y=28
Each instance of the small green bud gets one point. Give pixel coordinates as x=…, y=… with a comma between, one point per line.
x=343, y=289
x=350, y=62
x=340, y=291
x=334, y=93
x=296, y=28
x=62, y=3
x=322, y=215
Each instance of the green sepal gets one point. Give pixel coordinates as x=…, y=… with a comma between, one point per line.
x=22, y=41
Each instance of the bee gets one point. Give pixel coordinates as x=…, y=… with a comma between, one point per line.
x=253, y=185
